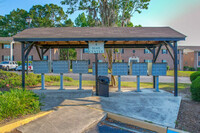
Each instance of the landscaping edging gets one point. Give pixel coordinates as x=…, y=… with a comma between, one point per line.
x=11, y=126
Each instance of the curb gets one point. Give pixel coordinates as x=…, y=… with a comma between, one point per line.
x=138, y=123
x=11, y=126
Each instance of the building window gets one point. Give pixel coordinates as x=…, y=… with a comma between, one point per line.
x=178, y=51
x=88, y=62
x=133, y=51
x=45, y=57
x=6, y=58
x=30, y=58
x=199, y=63
x=122, y=50
x=5, y=46
x=100, y=61
x=85, y=50
x=198, y=53
x=164, y=51
x=146, y=51
x=163, y=61
x=147, y=61
x=177, y=61
x=122, y=60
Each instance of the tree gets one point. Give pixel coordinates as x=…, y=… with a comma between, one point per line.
x=107, y=13
x=12, y=23
x=49, y=15
x=84, y=21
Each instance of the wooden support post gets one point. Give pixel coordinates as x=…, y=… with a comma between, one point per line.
x=96, y=73
x=175, y=70
x=23, y=65
x=154, y=78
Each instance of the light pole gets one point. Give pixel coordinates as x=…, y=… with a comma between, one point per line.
x=28, y=20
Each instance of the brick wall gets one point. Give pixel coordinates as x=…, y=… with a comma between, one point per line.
x=17, y=53
x=128, y=52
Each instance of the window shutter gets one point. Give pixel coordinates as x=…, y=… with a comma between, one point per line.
x=13, y=58
x=144, y=51
x=83, y=50
x=122, y=51
x=2, y=58
x=13, y=45
x=2, y=46
x=47, y=57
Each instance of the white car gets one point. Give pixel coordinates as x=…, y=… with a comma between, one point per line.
x=8, y=65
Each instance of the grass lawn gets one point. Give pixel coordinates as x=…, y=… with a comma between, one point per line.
x=180, y=73
x=165, y=86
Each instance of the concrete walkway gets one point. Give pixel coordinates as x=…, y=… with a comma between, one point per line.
x=78, y=114
x=157, y=107
x=69, y=119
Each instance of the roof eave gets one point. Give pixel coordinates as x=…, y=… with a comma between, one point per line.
x=98, y=39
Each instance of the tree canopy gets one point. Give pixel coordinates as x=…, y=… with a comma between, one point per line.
x=107, y=12
x=49, y=15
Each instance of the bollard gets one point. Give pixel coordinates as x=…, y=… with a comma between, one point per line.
x=119, y=83
x=43, y=81
x=157, y=84
x=61, y=81
x=138, y=84
x=80, y=81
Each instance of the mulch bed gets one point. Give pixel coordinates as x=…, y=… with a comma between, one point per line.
x=189, y=114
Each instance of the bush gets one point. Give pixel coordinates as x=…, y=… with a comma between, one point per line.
x=16, y=102
x=168, y=67
x=68, y=79
x=191, y=69
x=194, y=75
x=198, y=69
x=195, y=89
x=187, y=68
x=13, y=80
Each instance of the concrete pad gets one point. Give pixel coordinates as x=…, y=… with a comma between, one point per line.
x=52, y=98
x=69, y=119
x=155, y=107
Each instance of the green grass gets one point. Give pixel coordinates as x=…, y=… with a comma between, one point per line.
x=16, y=103
x=180, y=73
x=165, y=86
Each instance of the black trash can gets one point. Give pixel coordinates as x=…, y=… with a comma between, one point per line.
x=103, y=86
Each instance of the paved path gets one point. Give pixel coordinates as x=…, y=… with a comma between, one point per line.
x=79, y=114
x=162, y=79
x=69, y=119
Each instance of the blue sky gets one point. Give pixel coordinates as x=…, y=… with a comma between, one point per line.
x=158, y=14
x=178, y=14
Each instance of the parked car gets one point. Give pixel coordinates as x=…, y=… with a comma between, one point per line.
x=8, y=65
x=30, y=67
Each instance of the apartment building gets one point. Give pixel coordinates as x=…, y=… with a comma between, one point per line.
x=10, y=50
x=191, y=56
x=144, y=55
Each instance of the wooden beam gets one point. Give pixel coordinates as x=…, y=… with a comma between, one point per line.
x=158, y=51
x=169, y=52
x=37, y=49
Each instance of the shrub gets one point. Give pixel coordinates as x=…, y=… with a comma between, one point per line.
x=198, y=69
x=168, y=67
x=13, y=80
x=16, y=102
x=68, y=79
x=195, y=89
x=194, y=75
x=191, y=69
